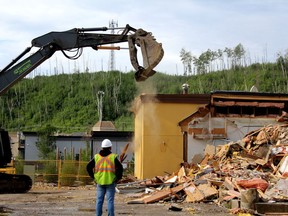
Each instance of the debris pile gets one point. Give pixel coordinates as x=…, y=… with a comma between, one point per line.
x=238, y=175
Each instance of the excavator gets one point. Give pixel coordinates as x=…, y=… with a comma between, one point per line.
x=73, y=40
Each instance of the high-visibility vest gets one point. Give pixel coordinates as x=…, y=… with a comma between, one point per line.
x=104, y=173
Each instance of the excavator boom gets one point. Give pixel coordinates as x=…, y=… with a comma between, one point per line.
x=78, y=38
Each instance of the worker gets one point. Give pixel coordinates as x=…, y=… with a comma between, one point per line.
x=106, y=170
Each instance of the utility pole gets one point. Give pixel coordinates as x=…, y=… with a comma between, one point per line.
x=112, y=25
x=100, y=104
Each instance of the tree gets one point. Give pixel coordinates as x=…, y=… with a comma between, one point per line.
x=238, y=54
x=204, y=62
x=186, y=59
x=220, y=57
x=235, y=56
x=282, y=60
x=46, y=141
x=229, y=53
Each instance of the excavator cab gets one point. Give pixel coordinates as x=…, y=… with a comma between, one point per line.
x=5, y=148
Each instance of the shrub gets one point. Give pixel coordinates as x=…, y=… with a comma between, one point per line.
x=50, y=172
x=68, y=173
x=82, y=173
x=19, y=165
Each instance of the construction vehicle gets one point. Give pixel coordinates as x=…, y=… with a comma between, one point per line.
x=77, y=38
x=10, y=182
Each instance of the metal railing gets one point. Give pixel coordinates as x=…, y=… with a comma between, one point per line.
x=60, y=172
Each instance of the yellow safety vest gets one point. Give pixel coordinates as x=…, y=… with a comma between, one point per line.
x=104, y=173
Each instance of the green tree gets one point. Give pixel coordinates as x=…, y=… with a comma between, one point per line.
x=204, y=62
x=282, y=61
x=186, y=58
x=46, y=141
x=238, y=55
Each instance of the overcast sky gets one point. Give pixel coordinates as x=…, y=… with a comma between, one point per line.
x=195, y=25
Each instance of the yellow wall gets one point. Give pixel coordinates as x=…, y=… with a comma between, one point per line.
x=158, y=138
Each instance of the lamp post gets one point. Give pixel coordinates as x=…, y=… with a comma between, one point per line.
x=100, y=104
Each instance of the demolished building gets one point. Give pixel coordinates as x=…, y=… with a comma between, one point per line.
x=235, y=154
x=228, y=117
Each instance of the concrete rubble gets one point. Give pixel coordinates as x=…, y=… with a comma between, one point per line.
x=247, y=176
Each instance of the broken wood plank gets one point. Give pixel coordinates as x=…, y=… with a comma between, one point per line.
x=262, y=195
x=164, y=193
x=171, y=180
x=123, y=155
x=205, y=160
x=181, y=175
x=234, y=193
x=227, y=198
x=207, y=190
x=193, y=194
x=284, y=165
x=228, y=184
x=138, y=201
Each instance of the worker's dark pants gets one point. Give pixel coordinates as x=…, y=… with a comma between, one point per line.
x=109, y=191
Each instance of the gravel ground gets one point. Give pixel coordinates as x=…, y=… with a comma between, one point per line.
x=81, y=201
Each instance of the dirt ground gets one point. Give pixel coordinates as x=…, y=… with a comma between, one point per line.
x=81, y=201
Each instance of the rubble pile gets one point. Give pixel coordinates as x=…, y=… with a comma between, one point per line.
x=238, y=175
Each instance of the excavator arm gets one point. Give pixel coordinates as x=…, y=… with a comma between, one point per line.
x=65, y=41
x=78, y=38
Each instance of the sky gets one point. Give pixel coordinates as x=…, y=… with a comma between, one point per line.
x=195, y=25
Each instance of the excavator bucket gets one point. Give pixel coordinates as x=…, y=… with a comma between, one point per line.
x=152, y=53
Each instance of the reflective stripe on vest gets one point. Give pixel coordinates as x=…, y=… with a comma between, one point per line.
x=105, y=169
x=104, y=164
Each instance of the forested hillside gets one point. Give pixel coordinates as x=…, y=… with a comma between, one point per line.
x=71, y=102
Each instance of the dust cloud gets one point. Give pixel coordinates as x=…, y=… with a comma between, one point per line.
x=148, y=89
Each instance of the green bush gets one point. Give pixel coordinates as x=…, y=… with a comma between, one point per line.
x=50, y=172
x=82, y=173
x=49, y=168
x=19, y=165
x=83, y=176
x=130, y=168
x=68, y=173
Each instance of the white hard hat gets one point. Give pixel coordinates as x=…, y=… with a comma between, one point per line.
x=106, y=143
